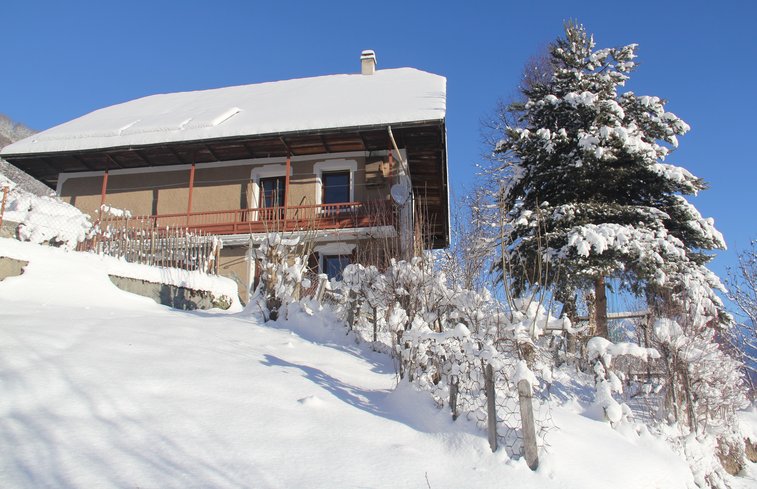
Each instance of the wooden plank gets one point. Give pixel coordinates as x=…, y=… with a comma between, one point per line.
x=491, y=407
x=528, y=424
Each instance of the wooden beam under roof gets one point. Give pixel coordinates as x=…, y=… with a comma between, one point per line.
x=176, y=154
x=362, y=140
x=113, y=160
x=286, y=146
x=80, y=160
x=250, y=150
x=52, y=164
x=325, y=144
x=142, y=157
x=212, y=153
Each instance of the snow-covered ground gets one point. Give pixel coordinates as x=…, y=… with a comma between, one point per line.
x=60, y=276
x=101, y=388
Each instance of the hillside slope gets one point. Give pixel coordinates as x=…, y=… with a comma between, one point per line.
x=105, y=389
x=10, y=132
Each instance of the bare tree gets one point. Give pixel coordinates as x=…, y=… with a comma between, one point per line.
x=467, y=261
x=742, y=291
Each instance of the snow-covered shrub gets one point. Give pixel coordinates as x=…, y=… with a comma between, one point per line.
x=456, y=359
x=705, y=384
x=601, y=353
x=283, y=262
x=376, y=300
x=364, y=289
x=703, y=388
x=45, y=219
x=445, y=337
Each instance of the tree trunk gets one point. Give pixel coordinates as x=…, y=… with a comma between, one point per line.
x=600, y=307
x=569, y=310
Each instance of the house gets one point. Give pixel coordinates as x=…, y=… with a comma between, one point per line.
x=353, y=159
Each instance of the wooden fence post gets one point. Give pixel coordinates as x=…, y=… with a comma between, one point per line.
x=453, y=389
x=491, y=407
x=322, y=281
x=375, y=325
x=525, y=397
x=2, y=208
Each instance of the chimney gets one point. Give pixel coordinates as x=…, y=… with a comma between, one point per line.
x=368, y=62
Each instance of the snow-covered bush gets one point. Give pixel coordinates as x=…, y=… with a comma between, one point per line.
x=44, y=219
x=283, y=262
x=375, y=298
x=444, y=337
x=607, y=381
x=705, y=385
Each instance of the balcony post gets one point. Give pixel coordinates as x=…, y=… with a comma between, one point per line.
x=286, y=189
x=104, y=188
x=191, y=188
x=103, y=192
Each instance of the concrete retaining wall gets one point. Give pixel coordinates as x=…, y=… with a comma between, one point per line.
x=171, y=295
x=10, y=267
x=8, y=229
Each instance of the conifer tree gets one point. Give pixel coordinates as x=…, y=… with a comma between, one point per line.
x=588, y=194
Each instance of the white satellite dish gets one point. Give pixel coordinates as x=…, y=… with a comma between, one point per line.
x=400, y=191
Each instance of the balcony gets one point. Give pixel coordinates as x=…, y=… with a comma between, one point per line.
x=283, y=219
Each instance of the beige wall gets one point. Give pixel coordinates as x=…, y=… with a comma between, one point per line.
x=215, y=188
x=233, y=264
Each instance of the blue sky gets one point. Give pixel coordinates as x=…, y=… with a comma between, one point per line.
x=64, y=59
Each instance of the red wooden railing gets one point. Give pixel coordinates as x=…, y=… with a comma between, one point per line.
x=291, y=218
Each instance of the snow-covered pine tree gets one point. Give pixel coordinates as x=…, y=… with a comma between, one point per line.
x=586, y=189
x=588, y=196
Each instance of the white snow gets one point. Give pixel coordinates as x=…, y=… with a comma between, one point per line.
x=101, y=388
x=61, y=272
x=389, y=96
x=601, y=347
x=44, y=219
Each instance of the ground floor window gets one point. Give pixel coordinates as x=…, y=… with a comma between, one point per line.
x=332, y=265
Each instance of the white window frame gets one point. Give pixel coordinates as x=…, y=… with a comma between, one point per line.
x=332, y=166
x=337, y=248
x=266, y=171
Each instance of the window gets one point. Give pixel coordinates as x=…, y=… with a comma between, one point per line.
x=271, y=192
x=272, y=197
x=335, y=187
x=332, y=265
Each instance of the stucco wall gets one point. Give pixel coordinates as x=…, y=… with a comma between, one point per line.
x=215, y=188
x=233, y=264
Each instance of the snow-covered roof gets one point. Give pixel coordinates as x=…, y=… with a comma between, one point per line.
x=390, y=96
